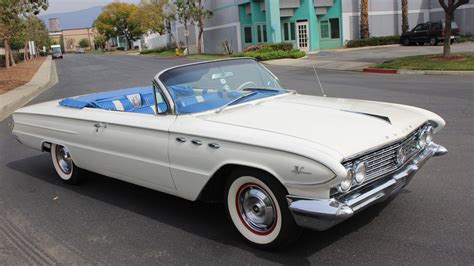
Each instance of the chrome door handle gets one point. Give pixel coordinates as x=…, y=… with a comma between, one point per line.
x=214, y=145
x=181, y=139
x=196, y=142
x=99, y=125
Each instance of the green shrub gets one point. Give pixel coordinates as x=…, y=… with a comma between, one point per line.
x=155, y=50
x=284, y=46
x=280, y=46
x=374, y=41
x=466, y=38
x=269, y=54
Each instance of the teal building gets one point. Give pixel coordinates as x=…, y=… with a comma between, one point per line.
x=309, y=24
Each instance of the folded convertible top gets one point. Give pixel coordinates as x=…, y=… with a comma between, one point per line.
x=90, y=99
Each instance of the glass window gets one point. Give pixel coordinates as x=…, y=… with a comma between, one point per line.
x=259, y=33
x=288, y=31
x=334, y=28
x=248, y=34
x=262, y=33
x=286, y=34
x=215, y=84
x=324, y=29
x=292, y=31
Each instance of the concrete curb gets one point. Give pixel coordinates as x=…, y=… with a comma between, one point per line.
x=44, y=78
x=355, y=48
x=416, y=72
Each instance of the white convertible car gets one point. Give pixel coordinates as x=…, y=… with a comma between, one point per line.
x=227, y=130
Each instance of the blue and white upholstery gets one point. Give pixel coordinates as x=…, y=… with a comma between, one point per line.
x=137, y=100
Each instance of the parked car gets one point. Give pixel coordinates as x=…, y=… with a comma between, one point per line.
x=228, y=130
x=431, y=32
x=56, y=52
x=80, y=51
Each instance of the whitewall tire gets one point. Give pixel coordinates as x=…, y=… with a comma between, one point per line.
x=67, y=171
x=256, y=204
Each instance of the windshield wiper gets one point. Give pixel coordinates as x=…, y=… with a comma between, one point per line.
x=236, y=100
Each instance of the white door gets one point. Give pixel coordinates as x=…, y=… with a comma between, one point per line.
x=302, y=36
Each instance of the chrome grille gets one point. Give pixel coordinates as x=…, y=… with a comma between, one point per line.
x=383, y=161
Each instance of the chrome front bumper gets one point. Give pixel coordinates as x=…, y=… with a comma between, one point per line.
x=322, y=214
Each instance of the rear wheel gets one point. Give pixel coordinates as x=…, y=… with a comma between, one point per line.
x=64, y=165
x=433, y=41
x=256, y=204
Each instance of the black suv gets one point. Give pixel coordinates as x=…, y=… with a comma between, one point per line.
x=431, y=32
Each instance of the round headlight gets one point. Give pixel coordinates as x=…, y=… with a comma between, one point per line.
x=429, y=135
x=346, y=184
x=360, y=171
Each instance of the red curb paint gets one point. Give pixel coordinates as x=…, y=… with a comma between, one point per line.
x=380, y=70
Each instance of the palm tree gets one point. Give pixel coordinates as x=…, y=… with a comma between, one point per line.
x=364, y=19
x=405, y=25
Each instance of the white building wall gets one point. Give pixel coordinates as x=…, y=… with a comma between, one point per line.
x=385, y=16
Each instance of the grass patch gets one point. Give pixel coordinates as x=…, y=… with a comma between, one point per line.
x=457, y=62
x=267, y=54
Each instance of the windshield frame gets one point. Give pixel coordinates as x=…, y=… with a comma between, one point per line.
x=169, y=99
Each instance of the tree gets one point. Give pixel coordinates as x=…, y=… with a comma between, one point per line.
x=184, y=15
x=200, y=14
x=170, y=16
x=405, y=25
x=449, y=7
x=10, y=12
x=119, y=19
x=35, y=30
x=84, y=43
x=100, y=41
x=151, y=15
x=364, y=19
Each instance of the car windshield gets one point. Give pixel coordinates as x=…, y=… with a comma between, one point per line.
x=218, y=84
x=56, y=50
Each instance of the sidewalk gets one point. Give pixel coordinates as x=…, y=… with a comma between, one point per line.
x=44, y=78
x=356, y=59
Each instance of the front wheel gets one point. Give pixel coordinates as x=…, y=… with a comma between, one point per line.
x=256, y=203
x=67, y=171
x=406, y=41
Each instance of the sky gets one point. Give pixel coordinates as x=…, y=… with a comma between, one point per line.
x=59, y=6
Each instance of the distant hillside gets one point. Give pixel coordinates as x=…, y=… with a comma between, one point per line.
x=76, y=19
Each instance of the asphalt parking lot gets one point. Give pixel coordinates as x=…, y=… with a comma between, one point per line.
x=105, y=221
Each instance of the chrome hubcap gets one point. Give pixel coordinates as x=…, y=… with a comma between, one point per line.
x=256, y=208
x=64, y=159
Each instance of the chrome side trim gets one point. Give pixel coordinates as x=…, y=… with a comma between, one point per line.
x=322, y=214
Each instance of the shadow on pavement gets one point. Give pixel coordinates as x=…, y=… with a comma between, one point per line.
x=203, y=219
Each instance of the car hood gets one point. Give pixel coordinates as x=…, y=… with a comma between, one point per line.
x=347, y=126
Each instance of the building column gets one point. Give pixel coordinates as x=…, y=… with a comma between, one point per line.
x=272, y=16
x=313, y=27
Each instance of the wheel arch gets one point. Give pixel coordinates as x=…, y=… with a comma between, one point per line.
x=213, y=191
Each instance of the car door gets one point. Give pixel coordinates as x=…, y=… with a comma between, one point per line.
x=417, y=32
x=132, y=147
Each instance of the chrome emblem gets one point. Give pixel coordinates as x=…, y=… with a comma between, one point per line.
x=299, y=170
x=401, y=155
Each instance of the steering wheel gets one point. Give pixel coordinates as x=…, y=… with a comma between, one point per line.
x=247, y=83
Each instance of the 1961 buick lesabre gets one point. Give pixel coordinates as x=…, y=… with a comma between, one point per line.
x=227, y=130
